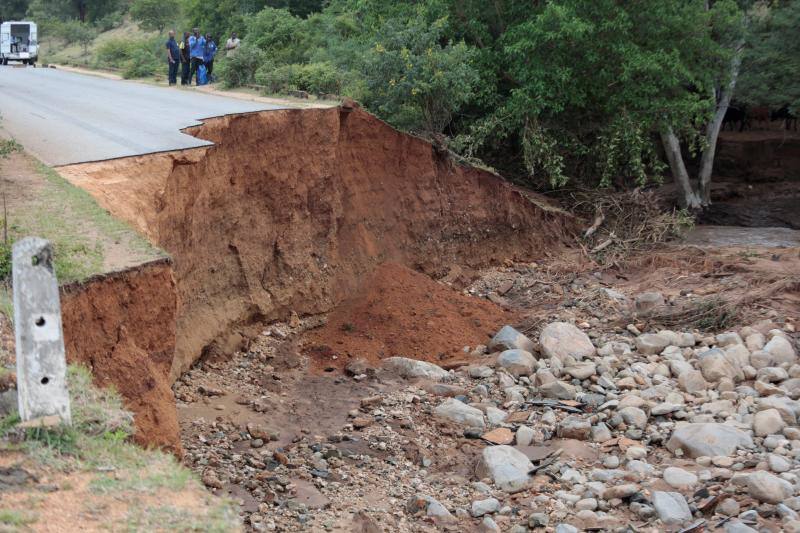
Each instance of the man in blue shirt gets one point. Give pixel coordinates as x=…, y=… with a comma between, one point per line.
x=208, y=55
x=173, y=58
x=197, y=46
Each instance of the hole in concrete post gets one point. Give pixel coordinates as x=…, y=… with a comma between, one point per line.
x=35, y=260
x=40, y=321
x=45, y=380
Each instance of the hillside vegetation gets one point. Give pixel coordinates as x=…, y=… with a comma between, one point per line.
x=548, y=92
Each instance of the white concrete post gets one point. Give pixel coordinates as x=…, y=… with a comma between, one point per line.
x=41, y=363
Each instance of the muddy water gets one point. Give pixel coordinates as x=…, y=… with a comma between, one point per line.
x=740, y=236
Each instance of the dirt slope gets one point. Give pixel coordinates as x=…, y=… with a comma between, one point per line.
x=290, y=209
x=122, y=326
x=399, y=312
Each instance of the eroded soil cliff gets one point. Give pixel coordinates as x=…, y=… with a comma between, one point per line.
x=290, y=209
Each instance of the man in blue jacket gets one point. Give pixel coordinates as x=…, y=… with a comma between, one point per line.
x=197, y=46
x=208, y=55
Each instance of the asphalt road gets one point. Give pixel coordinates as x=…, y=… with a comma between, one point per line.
x=63, y=117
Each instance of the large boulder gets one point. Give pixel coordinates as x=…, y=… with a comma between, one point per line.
x=460, y=413
x=708, y=439
x=411, y=368
x=517, y=362
x=566, y=342
x=510, y=339
x=506, y=466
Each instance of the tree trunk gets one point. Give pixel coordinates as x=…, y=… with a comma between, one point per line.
x=713, y=129
x=687, y=197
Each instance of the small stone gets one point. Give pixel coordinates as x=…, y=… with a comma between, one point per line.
x=679, y=478
x=487, y=506
x=574, y=427
x=728, y=507
x=781, y=350
x=778, y=463
x=412, y=368
x=651, y=343
x=509, y=338
x=706, y=438
x=671, y=507
x=525, y=435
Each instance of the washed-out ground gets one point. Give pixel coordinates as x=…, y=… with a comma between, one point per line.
x=666, y=399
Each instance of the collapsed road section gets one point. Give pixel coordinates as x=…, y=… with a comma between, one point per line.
x=287, y=212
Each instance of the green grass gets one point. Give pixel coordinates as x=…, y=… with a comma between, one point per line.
x=15, y=519
x=168, y=518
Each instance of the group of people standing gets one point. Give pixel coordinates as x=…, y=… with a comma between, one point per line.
x=192, y=53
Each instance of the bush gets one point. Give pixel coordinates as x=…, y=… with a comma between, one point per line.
x=276, y=79
x=141, y=64
x=240, y=68
x=318, y=78
x=73, y=31
x=110, y=21
x=115, y=52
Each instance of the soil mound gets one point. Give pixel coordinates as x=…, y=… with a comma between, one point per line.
x=399, y=312
x=290, y=209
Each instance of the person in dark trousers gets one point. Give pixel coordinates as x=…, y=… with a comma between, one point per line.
x=184, y=46
x=173, y=58
x=197, y=45
x=209, y=52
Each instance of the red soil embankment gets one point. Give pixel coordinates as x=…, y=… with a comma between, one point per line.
x=122, y=326
x=290, y=209
x=399, y=312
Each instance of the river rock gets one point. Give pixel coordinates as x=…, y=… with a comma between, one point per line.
x=460, y=413
x=509, y=338
x=506, y=466
x=692, y=381
x=487, y=506
x=574, y=427
x=563, y=341
x=581, y=370
x=767, y=422
x=781, y=350
x=517, y=362
x=715, y=365
x=651, y=343
x=769, y=488
x=708, y=439
x=679, y=478
x=671, y=507
x=411, y=368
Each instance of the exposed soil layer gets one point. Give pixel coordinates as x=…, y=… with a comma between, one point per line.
x=122, y=326
x=399, y=312
x=291, y=209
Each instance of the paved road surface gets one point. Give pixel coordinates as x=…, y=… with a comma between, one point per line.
x=64, y=117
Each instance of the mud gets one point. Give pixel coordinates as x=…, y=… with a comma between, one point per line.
x=291, y=209
x=122, y=326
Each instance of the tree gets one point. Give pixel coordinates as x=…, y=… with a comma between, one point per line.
x=155, y=14
x=772, y=59
x=13, y=9
x=83, y=10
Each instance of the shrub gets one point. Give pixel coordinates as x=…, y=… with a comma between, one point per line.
x=115, y=52
x=318, y=78
x=276, y=79
x=240, y=68
x=141, y=64
x=73, y=31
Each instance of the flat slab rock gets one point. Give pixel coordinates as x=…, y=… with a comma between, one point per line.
x=708, y=439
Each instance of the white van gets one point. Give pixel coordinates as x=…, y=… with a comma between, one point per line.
x=18, y=42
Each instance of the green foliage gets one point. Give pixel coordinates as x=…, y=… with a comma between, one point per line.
x=281, y=35
x=73, y=31
x=315, y=78
x=83, y=10
x=416, y=79
x=138, y=58
x=771, y=64
x=13, y=9
x=5, y=260
x=141, y=64
x=155, y=14
x=240, y=68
